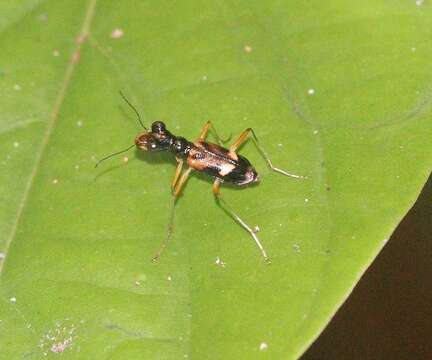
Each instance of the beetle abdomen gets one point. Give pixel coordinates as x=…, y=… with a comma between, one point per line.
x=219, y=162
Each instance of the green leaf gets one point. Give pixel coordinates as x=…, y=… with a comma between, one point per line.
x=338, y=91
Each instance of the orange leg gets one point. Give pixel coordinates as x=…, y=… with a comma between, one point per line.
x=176, y=193
x=245, y=135
x=177, y=173
x=223, y=204
x=204, y=131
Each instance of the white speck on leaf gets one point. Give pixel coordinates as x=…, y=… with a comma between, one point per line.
x=59, y=347
x=219, y=262
x=248, y=48
x=311, y=91
x=263, y=346
x=16, y=144
x=204, y=77
x=315, y=132
x=419, y=2
x=117, y=33
x=125, y=159
x=42, y=17
x=296, y=247
x=56, y=53
x=169, y=278
x=13, y=300
x=79, y=39
x=2, y=255
x=59, y=338
x=306, y=200
x=55, y=181
x=79, y=123
x=17, y=87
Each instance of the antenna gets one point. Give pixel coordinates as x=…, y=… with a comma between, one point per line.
x=133, y=108
x=114, y=154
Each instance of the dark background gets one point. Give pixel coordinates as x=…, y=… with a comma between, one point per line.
x=389, y=313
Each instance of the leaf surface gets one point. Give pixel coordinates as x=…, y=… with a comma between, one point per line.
x=337, y=91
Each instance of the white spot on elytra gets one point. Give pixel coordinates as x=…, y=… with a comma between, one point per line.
x=13, y=300
x=226, y=168
x=263, y=346
x=117, y=33
x=311, y=91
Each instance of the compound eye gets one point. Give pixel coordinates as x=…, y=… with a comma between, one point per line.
x=158, y=127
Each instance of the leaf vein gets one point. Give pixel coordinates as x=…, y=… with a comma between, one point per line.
x=84, y=31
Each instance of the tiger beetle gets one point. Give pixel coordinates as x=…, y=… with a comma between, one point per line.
x=222, y=164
